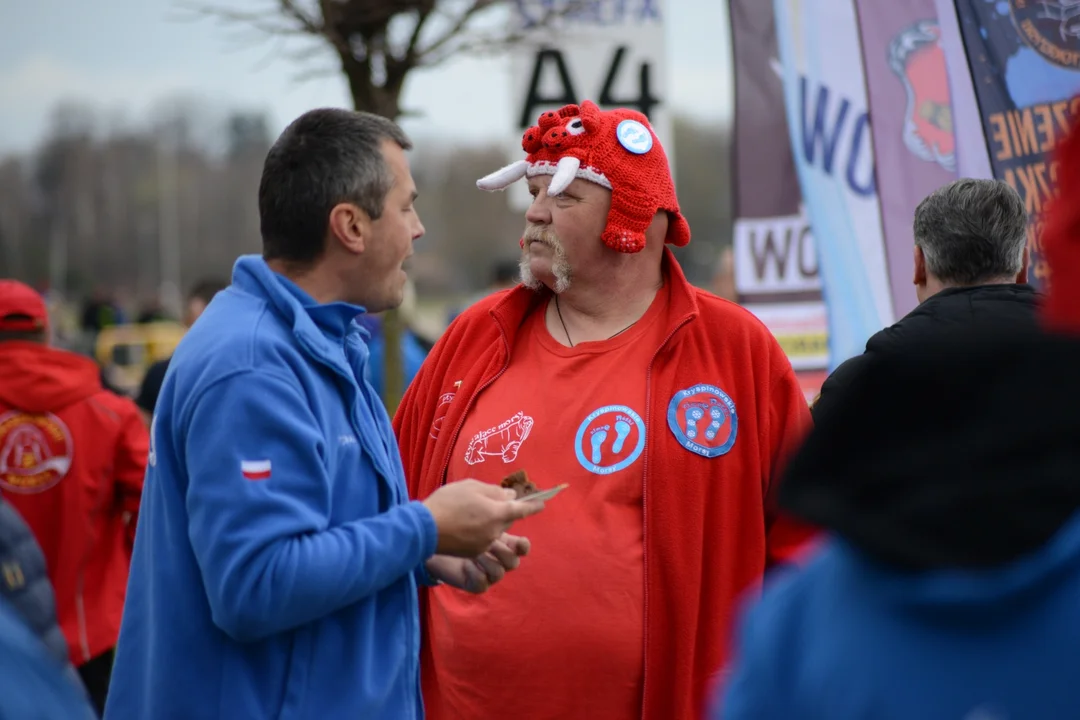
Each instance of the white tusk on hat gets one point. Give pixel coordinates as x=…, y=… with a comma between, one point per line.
x=564, y=174
x=501, y=179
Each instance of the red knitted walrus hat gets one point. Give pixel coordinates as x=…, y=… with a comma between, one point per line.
x=616, y=149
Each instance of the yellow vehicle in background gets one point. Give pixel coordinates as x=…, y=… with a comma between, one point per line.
x=124, y=352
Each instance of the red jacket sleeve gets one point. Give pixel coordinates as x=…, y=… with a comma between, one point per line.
x=787, y=539
x=129, y=466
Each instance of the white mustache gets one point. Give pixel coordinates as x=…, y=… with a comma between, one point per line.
x=541, y=237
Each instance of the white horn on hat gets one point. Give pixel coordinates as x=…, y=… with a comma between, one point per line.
x=565, y=173
x=502, y=179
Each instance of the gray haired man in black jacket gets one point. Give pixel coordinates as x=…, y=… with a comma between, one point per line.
x=970, y=274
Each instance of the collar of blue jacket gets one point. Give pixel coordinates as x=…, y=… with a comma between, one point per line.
x=308, y=317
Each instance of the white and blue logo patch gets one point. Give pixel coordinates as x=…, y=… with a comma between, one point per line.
x=703, y=420
x=610, y=439
x=634, y=136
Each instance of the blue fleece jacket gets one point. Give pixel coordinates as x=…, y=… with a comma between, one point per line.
x=277, y=554
x=846, y=638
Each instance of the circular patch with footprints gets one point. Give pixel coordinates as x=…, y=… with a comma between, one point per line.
x=703, y=420
x=610, y=439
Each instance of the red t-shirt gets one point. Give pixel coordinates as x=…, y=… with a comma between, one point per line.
x=562, y=637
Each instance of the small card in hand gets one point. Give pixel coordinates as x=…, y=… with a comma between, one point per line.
x=519, y=482
x=545, y=494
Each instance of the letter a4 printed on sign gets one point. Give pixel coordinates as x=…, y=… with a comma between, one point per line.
x=255, y=469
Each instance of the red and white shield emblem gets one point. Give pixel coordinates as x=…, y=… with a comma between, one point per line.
x=915, y=55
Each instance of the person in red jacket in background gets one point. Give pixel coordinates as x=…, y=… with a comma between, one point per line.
x=667, y=410
x=72, y=458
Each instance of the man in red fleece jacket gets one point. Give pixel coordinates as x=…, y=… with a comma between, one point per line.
x=72, y=457
x=666, y=409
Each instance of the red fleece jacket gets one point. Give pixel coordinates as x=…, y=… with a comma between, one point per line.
x=72, y=458
x=710, y=525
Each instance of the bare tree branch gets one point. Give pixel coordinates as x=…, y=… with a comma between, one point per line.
x=341, y=44
x=271, y=54
x=312, y=52
x=266, y=22
x=309, y=24
x=410, y=54
x=460, y=40
x=455, y=30
x=316, y=74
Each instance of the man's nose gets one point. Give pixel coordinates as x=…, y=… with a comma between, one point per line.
x=538, y=212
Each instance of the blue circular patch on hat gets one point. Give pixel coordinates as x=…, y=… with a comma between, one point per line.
x=634, y=136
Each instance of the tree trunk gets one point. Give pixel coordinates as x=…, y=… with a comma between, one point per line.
x=384, y=101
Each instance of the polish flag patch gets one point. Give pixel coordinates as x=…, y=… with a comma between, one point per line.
x=255, y=469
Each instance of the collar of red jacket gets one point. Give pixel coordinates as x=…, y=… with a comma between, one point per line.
x=509, y=311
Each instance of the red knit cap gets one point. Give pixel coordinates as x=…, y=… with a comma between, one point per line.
x=1061, y=239
x=616, y=149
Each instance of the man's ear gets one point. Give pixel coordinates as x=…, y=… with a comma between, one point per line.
x=920, y=267
x=350, y=226
x=1022, y=276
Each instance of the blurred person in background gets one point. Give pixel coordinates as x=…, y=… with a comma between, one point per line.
x=946, y=476
x=101, y=311
x=723, y=282
x=200, y=296
x=152, y=311
x=505, y=274
x=970, y=272
x=667, y=410
x=72, y=458
x=413, y=348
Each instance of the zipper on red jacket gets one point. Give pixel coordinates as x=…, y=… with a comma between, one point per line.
x=80, y=612
x=645, y=514
x=469, y=404
x=80, y=584
x=80, y=603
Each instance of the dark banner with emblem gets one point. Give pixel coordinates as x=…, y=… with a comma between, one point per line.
x=776, y=267
x=1024, y=59
x=911, y=120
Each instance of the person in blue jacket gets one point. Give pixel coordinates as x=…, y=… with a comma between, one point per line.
x=277, y=555
x=413, y=353
x=948, y=587
x=34, y=684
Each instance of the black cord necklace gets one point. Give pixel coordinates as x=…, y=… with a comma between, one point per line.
x=563, y=323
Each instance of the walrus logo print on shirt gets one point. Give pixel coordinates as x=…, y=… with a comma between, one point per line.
x=502, y=441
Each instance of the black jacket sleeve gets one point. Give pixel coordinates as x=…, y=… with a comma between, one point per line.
x=151, y=386
x=832, y=390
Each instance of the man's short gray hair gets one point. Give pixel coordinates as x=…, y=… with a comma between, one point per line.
x=325, y=157
x=972, y=231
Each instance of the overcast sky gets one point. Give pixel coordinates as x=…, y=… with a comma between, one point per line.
x=123, y=56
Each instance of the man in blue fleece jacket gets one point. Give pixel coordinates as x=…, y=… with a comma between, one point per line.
x=277, y=557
